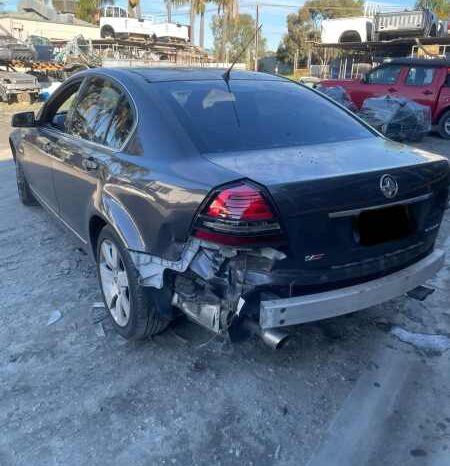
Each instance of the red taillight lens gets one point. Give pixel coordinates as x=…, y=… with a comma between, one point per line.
x=240, y=203
x=238, y=215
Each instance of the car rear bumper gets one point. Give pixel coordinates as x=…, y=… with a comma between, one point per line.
x=308, y=308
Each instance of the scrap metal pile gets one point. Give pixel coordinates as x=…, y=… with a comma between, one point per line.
x=338, y=94
x=397, y=118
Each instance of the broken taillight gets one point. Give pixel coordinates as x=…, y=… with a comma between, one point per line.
x=238, y=215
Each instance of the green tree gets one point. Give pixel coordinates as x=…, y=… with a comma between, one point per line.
x=230, y=38
x=440, y=7
x=86, y=10
x=304, y=26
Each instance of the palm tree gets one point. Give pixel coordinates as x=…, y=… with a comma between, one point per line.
x=192, y=13
x=229, y=9
x=201, y=8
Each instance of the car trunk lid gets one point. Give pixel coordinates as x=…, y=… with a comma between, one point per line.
x=339, y=224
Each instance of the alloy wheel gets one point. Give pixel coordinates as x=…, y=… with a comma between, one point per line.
x=114, y=282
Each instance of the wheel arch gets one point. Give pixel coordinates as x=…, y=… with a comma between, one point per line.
x=114, y=214
x=105, y=29
x=350, y=36
x=442, y=113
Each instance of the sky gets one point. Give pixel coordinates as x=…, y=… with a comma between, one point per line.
x=273, y=14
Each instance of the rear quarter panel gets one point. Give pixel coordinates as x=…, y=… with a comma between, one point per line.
x=152, y=193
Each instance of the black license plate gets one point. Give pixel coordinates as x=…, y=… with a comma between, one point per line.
x=383, y=225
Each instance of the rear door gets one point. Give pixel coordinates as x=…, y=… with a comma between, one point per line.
x=421, y=85
x=100, y=123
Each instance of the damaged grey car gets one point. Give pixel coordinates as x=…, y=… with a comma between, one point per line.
x=245, y=201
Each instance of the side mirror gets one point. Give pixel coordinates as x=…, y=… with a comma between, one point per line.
x=23, y=120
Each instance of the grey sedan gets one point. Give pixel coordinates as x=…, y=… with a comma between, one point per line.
x=243, y=200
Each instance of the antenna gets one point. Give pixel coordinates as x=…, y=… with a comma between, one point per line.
x=226, y=75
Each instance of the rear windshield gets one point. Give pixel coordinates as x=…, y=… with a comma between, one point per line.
x=253, y=115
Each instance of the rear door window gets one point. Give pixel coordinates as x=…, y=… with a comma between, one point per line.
x=121, y=124
x=95, y=110
x=384, y=75
x=420, y=76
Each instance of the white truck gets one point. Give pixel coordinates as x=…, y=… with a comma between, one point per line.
x=339, y=30
x=116, y=23
x=383, y=25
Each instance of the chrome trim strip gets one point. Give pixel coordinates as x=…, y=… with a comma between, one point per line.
x=44, y=203
x=352, y=212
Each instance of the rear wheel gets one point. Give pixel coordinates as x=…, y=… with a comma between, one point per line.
x=444, y=125
x=130, y=305
x=25, y=194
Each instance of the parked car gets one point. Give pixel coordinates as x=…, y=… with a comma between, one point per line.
x=243, y=200
x=426, y=81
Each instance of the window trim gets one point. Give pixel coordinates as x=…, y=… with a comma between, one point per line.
x=416, y=67
x=84, y=80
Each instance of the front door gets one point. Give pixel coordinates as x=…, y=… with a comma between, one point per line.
x=420, y=85
x=381, y=81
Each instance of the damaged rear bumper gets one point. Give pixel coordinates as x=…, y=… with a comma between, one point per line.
x=302, y=309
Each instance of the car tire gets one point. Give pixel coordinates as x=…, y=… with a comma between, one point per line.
x=131, y=306
x=444, y=125
x=25, y=195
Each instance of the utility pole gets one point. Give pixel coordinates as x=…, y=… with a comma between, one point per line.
x=295, y=60
x=256, y=36
x=169, y=10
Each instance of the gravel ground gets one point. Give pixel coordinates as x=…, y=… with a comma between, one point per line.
x=342, y=392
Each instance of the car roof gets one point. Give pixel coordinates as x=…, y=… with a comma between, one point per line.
x=429, y=62
x=198, y=74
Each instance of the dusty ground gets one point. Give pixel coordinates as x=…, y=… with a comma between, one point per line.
x=342, y=392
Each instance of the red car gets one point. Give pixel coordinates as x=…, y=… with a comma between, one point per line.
x=425, y=81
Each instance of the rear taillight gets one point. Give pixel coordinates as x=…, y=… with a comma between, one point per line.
x=238, y=215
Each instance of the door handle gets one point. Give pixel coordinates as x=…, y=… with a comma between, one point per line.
x=428, y=92
x=89, y=163
x=392, y=89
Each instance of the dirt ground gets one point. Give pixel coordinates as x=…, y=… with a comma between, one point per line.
x=342, y=392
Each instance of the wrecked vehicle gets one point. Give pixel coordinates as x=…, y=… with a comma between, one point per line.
x=243, y=200
x=13, y=50
x=18, y=86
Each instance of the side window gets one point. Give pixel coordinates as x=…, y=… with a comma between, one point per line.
x=420, y=76
x=384, y=75
x=448, y=80
x=121, y=125
x=59, y=111
x=95, y=110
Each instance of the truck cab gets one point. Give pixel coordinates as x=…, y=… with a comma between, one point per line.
x=424, y=81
